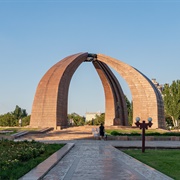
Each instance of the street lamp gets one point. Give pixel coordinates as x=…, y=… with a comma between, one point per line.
x=143, y=126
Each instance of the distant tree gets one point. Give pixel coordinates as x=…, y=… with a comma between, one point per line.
x=130, y=111
x=171, y=96
x=77, y=119
x=8, y=120
x=97, y=120
x=169, y=121
x=19, y=113
x=12, y=118
x=26, y=120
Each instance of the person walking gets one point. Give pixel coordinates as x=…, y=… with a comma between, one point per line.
x=101, y=131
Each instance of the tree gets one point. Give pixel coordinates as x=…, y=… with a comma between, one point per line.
x=169, y=121
x=97, y=120
x=12, y=118
x=77, y=119
x=130, y=111
x=19, y=113
x=8, y=120
x=171, y=96
x=26, y=120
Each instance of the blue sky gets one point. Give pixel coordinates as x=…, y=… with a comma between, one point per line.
x=34, y=35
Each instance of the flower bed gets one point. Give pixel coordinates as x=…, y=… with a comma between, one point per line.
x=17, y=158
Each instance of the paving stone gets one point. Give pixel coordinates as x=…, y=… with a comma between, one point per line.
x=99, y=160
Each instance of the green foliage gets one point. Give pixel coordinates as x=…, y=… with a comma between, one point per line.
x=12, y=118
x=17, y=158
x=171, y=96
x=7, y=120
x=97, y=120
x=165, y=161
x=130, y=111
x=138, y=133
x=171, y=134
x=169, y=121
x=19, y=113
x=116, y=133
x=26, y=120
x=75, y=119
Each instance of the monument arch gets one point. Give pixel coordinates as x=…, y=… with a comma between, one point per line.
x=51, y=98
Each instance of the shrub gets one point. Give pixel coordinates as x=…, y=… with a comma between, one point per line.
x=14, y=155
x=115, y=133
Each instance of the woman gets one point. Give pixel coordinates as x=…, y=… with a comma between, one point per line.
x=101, y=131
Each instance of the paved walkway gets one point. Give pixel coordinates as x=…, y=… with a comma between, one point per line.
x=123, y=144
x=99, y=160
x=94, y=159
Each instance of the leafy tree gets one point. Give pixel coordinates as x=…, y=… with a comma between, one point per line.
x=8, y=120
x=19, y=113
x=97, y=120
x=130, y=111
x=171, y=96
x=77, y=119
x=26, y=120
x=169, y=121
x=12, y=118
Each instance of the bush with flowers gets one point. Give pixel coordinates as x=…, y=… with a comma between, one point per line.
x=17, y=158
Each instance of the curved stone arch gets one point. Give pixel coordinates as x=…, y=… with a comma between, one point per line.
x=51, y=99
x=147, y=101
x=115, y=103
x=160, y=103
x=50, y=102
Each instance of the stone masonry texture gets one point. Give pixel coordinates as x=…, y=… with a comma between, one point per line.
x=51, y=98
x=147, y=100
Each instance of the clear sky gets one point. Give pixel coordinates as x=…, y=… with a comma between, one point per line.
x=36, y=34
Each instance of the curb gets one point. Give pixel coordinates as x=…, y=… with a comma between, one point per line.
x=43, y=168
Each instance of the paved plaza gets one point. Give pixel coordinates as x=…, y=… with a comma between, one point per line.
x=98, y=160
x=85, y=158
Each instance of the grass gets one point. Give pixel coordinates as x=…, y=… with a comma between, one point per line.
x=18, y=158
x=133, y=130
x=165, y=161
x=138, y=132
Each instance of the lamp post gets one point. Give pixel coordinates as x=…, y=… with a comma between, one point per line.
x=143, y=126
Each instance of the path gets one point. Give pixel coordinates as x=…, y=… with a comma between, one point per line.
x=91, y=159
x=98, y=160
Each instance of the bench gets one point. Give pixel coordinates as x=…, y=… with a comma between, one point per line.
x=22, y=133
x=46, y=129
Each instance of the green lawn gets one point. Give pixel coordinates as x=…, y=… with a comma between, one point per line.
x=165, y=161
x=134, y=130
x=18, y=158
x=138, y=132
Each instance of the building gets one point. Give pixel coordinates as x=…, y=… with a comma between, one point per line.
x=158, y=86
x=91, y=115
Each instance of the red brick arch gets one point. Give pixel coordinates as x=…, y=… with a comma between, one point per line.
x=51, y=99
